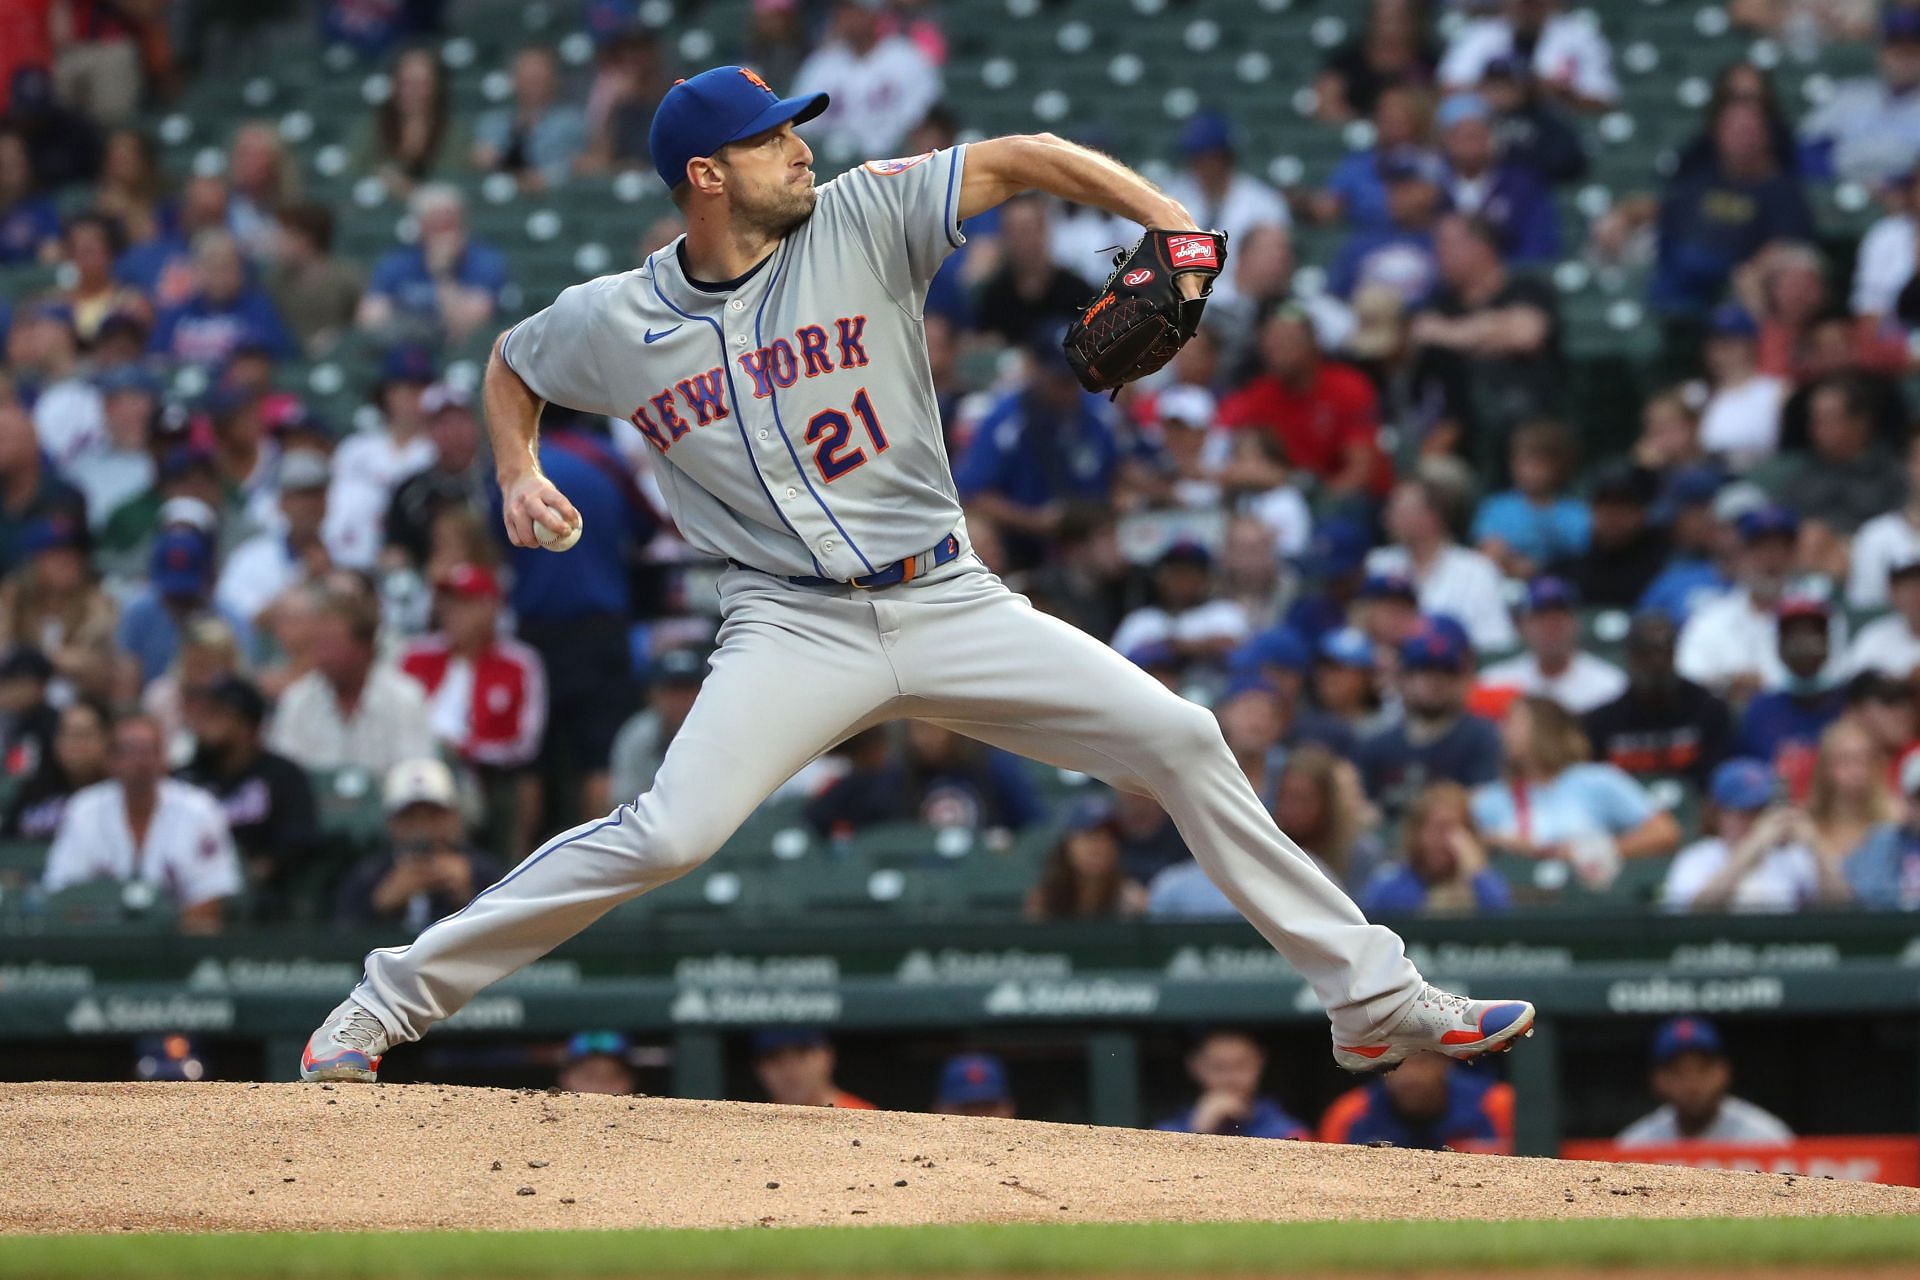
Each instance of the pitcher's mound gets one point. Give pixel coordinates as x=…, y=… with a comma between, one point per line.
x=237, y=1157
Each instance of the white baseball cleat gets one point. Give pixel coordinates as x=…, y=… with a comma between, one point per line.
x=347, y=1046
x=1442, y=1022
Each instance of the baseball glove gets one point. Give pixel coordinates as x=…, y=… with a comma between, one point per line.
x=1139, y=320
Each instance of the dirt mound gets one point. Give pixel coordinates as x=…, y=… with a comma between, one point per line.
x=213, y=1157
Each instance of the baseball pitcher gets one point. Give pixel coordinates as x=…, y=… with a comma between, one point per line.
x=774, y=358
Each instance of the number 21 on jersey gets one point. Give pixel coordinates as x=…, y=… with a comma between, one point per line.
x=830, y=433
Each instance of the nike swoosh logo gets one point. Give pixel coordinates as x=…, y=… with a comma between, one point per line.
x=653, y=337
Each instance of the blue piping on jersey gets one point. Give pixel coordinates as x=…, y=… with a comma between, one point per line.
x=739, y=417
x=951, y=216
x=774, y=399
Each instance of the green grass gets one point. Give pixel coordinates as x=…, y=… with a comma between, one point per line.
x=1215, y=1251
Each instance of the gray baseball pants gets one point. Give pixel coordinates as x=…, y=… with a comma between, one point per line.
x=799, y=669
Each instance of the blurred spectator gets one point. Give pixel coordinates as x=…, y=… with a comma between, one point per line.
x=78, y=760
x=1553, y=665
x=1450, y=578
x=1319, y=802
x=1040, y=448
x=267, y=799
x=1693, y=572
x=881, y=85
x=443, y=282
x=458, y=477
x=1443, y=863
x=1217, y=191
x=596, y=1062
x=1756, y=855
x=44, y=351
x=132, y=183
x=974, y=1084
x=429, y=869
x=1789, y=716
x=161, y=266
x=1743, y=81
x=1847, y=479
x=1226, y=1066
x=225, y=313
x=63, y=146
x=1691, y=1076
x=371, y=465
x=631, y=80
x=1891, y=645
x=1030, y=295
x=1201, y=626
x=1740, y=422
x=1888, y=263
x=1394, y=49
x=1713, y=218
x=1662, y=724
x=1428, y=1103
x=1869, y=130
x=574, y=610
x=1556, y=804
x=1566, y=52
x=261, y=178
x=1489, y=339
x=140, y=825
x=795, y=1067
x=349, y=710
x=1532, y=130
x=28, y=722
x=1356, y=191
x=776, y=40
x=29, y=220
x=92, y=243
x=54, y=603
x=1436, y=739
x=642, y=741
x=1333, y=573
x=317, y=293
x=1149, y=842
x=263, y=568
x=208, y=653
x=1884, y=871
x=187, y=491
x=180, y=585
x=1482, y=183
x=1805, y=23
x=1322, y=413
x=1252, y=568
x=1626, y=550
x=1889, y=539
x=411, y=135
x=1398, y=252
x=1850, y=796
x=1345, y=685
x=121, y=467
x=538, y=138
x=1885, y=708
x=1535, y=523
x=1083, y=878
x=30, y=490
x=937, y=778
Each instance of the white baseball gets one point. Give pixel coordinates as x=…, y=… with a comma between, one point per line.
x=557, y=541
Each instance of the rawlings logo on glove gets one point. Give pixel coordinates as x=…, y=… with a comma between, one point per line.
x=1139, y=320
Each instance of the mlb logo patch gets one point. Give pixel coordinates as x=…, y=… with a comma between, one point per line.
x=887, y=168
x=1193, y=251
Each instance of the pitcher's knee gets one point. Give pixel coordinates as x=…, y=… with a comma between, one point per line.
x=1185, y=738
x=670, y=854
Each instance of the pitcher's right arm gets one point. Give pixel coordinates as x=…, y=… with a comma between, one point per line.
x=513, y=426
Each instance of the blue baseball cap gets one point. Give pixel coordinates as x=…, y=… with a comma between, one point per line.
x=1686, y=1035
x=1900, y=24
x=182, y=563
x=1207, y=132
x=55, y=533
x=704, y=113
x=1274, y=647
x=1693, y=486
x=407, y=364
x=972, y=1078
x=776, y=1039
x=1187, y=551
x=1461, y=108
x=1770, y=521
x=1338, y=547
x=1156, y=655
x=1742, y=785
x=1389, y=586
x=588, y=1044
x=1433, y=648
x=1090, y=813
x=1550, y=592
x=1731, y=320
x=1347, y=647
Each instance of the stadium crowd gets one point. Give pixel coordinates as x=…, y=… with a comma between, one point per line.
x=1462, y=647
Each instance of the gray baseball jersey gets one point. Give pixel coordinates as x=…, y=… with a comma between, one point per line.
x=793, y=410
